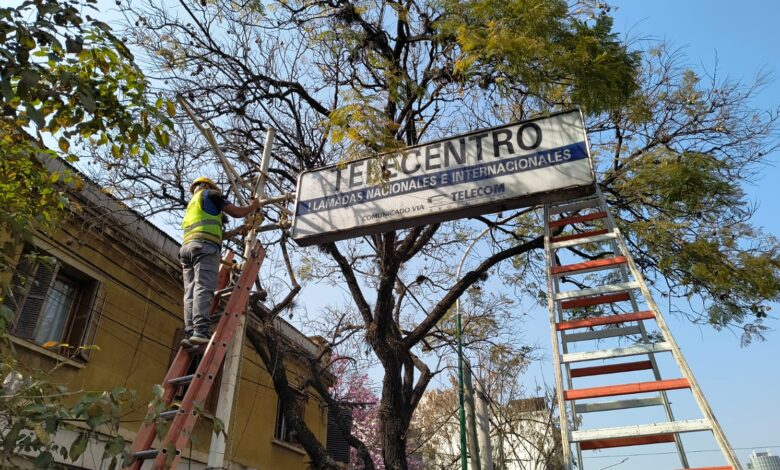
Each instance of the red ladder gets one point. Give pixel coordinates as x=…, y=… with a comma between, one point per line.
x=200, y=383
x=587, y=224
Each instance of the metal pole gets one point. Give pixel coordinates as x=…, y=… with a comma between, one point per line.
x=471, y=417
x=231, y=371
x=462, y=410
x=483, y=427
x=233, y=178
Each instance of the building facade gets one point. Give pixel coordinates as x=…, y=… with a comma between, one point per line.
x=523, y=435
x=108, y=278
x=763, y=461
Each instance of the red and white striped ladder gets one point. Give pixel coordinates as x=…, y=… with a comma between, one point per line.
x=183, y=418
x=588, y=225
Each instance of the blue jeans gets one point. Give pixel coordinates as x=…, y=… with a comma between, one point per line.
x=200, y=265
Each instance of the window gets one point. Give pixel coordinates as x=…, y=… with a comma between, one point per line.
x=51, y=301
x=283, y=432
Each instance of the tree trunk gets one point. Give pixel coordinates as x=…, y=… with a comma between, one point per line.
x=392, y=411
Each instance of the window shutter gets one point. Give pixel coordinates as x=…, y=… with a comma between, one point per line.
x=27, y=317
x=336, y=443
x=85, y=322
x=20, y=283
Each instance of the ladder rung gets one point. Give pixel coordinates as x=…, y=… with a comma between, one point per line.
x=617, y=405
x=608, y=289
x=726, y=467
x=577, y=236
x=576, y=219
x=185, y=379
x=626, y=389
x=611, y=368
x=170, y=414
x=602, y=334
x=607, y=320
x=588, y=266
x=616, y=352
x=224, y=292
x=582, y=239
x=638, y=430
x=596, y=444
x=576, y=205
x=145, y=454
x=597, y=300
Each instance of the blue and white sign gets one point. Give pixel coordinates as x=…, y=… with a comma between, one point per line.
x=485, y=171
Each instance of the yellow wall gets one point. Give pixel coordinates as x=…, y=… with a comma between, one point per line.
x=139, y=319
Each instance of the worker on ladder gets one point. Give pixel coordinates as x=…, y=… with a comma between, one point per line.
x=200, y=254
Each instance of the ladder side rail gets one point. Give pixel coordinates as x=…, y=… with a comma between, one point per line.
x=567, y=371
x=704, y=406
x=552, y=305
x=624, y=274
x=145, y=436
x=180, y=429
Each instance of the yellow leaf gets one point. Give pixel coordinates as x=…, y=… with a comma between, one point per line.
x=50, y=344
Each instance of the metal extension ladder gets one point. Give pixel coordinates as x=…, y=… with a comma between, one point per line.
x=587, y=224
x=198, y=385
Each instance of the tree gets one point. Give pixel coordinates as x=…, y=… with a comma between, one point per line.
x=341, y=79
x=65, y=80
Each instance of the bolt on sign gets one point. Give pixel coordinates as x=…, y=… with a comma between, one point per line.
x=491, y=170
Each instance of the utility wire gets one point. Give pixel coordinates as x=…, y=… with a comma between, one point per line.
x=675, y=452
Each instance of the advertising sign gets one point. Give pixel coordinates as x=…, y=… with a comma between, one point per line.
x=490, y=170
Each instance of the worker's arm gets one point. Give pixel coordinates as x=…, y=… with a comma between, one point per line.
x=241, y=211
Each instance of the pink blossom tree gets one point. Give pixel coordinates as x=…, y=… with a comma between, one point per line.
x=353, y=389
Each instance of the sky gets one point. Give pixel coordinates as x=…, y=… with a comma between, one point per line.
x=740, y=383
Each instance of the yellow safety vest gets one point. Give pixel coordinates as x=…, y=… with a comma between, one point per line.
x=199, y=224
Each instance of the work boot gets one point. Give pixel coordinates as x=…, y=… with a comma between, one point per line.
x=199, y=339
x=185, y=343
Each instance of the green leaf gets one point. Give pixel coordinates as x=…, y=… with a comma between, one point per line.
x=171, y=108
x=5, y=88
x=30, y=77
x=9, y=441
x=35, y=115
x=115, y=446
x=79, y=446
x=218, y=426
x=64, y=144
x=44, y=460
x=87, y=98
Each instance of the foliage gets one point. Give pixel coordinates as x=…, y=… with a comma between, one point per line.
x=678, y=187
x=540, y=46
x=65, y=80
x=34, y=409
